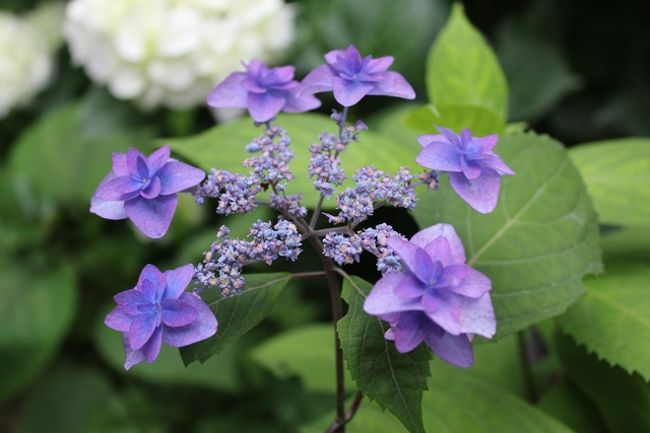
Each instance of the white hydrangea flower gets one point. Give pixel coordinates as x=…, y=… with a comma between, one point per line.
x=25, y=60
x=172, y=52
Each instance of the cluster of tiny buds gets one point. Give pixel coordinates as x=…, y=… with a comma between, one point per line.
x=235, y=193
x=374, y=186
x=271, y=164
x=345, y=249
x=223, y=263
x=429, y=179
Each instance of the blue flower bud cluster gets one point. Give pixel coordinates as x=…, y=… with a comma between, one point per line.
x=235, y=193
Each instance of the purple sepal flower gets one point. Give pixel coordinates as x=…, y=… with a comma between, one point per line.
x=474, y=169
x=144, y=189
x=435, y=298
x=159, y=310
x=263, y=91
x=351, y=77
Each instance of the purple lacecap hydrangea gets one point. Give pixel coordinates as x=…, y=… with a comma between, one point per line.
x=144, y=189
x=263, y=91
x=436, y=298
x=159, y=310
x=474, y=169
x=351, y=77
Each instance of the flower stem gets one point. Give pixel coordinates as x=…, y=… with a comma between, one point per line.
x=529, y=381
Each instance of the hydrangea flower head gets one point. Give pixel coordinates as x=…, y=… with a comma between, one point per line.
x=435, y=298
x=159, y=310
x=351, y=77
x=263, y=91
x=144, y=189
x=474, y=169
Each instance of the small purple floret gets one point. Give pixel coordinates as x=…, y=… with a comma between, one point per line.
x=144, y=189
x=351, y=77
x=474, y=169
x=159, y=310
x=263, y=91
x=436, y=298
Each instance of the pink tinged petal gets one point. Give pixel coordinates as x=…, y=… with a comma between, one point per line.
x=383, y=298
x=348, y=93
x=177, y=313
x=425, y=140
x=493, y=161
x=393, y=85
x=380, y=64
x=251, y=85
x=472, y=284
x=439, y=155
x=471, y=170
x=453, y=276
x=487, y=143
x=152, y=190
x=152, y=217
x=481, y=193
x=141, y=330
x=477, y=316
x=158, y=159
x=426, y=236
x=118, y=320
x=264, y=106
x=229, y=93
x=431, y=301
x=284, y=74
x=318, y=80
x=177, y=281
x=132, y=297
x=151, y=349
x=177, y=176
x=205, y=325
x=390, y=334
x=448, y=313
x=300, y=104
x=118, y=189
x=410, y=331
x=332, y=56
x=132, y=157
x=110, y=210
x=454, y=349
x=439, y=250
x=119, y=164
x=133, y=357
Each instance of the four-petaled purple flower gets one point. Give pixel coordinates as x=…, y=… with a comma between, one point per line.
x=474, y=170
x=263, y=91
x=144, y=189
x=351, y=77
x=159, y=310
x=436, y=298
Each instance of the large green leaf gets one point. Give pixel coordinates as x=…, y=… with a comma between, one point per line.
x=539, y=242
x=613, y=319
x=457, y=403
x=66, y=153
x=462, y=69
x=394, y=380
x=223, y=147
x=630, y=244
x=480, y=121
x=307, y=352
x=36, y=311
x=219, y=372
x=617, y=174
x=239, y=314
x=566, y=403
x=623, y=399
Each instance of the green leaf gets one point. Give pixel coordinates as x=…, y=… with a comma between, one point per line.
x=223, y=147
x=622, y=399
x=462, y=69
x=67, y=152
x=617, y=174
x=539, y=242
x=36, y=312
x=74, y=399
x=394, y=380
x=627, y=244
x=306, y=352
x=457, y=403
x=238, y=314
x=219, y=372
x=566, y=403
x=613, y=318
x=479, y=120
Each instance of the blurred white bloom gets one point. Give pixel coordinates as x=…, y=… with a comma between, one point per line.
x=172, y=52
x=26, y=45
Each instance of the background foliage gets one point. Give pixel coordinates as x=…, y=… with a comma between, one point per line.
x=505, y=66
